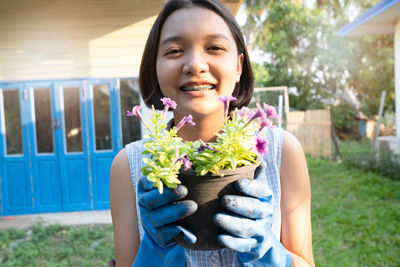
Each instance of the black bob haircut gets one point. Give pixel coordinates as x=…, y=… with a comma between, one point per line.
x=149, y=87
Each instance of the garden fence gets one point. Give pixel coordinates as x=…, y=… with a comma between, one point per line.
x=313, y=129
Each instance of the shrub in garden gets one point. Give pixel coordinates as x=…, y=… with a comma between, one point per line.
x=384, y=163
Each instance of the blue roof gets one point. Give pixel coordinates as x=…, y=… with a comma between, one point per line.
x=367, y=16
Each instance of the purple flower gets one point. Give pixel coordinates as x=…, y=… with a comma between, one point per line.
x=245, y=112
x=261, y=146
x=259, y=114
x=204, y=147
x=136, y=112
x=266, y=123
x=168, y=103
x=187, y=119
x=271, y=111
x=226, y=99
x=187, y=164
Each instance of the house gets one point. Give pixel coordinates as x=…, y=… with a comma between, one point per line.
x=68, y=72
x=383, y=18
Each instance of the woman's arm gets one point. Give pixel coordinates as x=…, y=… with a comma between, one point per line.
x=296, y=202
x=123, y=211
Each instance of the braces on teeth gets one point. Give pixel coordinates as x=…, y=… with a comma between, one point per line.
x=197, y=88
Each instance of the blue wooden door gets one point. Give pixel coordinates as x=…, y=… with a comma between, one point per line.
x=57, y=142
x=43, y=136
x=104, y=136
x=15, y=165
x=72, y=145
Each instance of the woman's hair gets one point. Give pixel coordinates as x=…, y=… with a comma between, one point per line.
x=149, y=87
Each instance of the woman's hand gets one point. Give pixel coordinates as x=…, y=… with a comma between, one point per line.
x=161, y=211
x=250, y=226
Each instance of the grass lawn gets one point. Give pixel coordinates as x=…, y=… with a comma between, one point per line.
x=355, y=215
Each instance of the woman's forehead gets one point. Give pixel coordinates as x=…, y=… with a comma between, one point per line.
x=195, y=20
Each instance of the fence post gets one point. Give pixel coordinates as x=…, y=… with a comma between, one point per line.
x=333, y=134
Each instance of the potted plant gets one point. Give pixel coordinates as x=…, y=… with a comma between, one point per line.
x=208, y=170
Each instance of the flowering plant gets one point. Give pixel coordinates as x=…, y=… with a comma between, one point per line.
x=238, y=144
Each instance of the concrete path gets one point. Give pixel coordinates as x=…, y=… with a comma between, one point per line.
x=64, y=218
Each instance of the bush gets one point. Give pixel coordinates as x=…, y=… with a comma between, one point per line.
x=345, y=120
x=385, y=163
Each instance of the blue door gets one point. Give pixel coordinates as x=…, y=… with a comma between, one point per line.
x=72, y=145
x=104, y=136
x=15, y=165
x=57, y=142
x=43, y=126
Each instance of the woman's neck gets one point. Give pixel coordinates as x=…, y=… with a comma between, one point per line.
x=205, y=128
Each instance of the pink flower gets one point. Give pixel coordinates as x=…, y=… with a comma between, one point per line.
x=261, y=146
x=226, y=99
x=204, y=147
x=259, y=114
x=266, y=123
x=187, y=164
x=187, y=119
x=136, y=112
x=168, y=103
x=271, y=111
x=245, y=112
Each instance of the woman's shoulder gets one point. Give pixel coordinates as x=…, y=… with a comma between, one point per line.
x=290, y=144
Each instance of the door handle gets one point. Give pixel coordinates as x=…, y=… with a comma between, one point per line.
x=56, y=124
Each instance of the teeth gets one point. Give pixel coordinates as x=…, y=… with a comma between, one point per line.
x=197, y=88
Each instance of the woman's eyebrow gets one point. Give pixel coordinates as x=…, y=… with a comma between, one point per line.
x=177, y=38
x=171, y=39
x=218, y=36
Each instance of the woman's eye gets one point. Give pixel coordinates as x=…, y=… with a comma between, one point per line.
x=173, y=51
x=215, y=48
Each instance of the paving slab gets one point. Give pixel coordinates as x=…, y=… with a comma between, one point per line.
x=102, y=217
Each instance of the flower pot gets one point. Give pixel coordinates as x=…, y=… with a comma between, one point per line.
x=206, y=191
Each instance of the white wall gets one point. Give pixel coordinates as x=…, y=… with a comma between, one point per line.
x=51, y=39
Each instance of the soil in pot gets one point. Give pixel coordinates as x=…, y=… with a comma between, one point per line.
x=206, y=191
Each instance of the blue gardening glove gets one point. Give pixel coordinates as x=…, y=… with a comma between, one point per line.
x=249, y=227
x=160, y=212
x=152, y=255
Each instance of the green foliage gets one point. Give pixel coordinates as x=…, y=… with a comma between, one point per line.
x=234, y=147
x=385, y=163
x=57, y=245
x=305, y=52
x=261, y=75
x=344, y=117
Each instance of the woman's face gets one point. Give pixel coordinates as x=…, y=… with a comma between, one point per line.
x=197, y=61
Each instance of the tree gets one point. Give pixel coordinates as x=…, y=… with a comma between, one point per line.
x=304, y=52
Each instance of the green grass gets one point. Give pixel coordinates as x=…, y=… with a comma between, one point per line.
x=57, y=245
x=355, y=216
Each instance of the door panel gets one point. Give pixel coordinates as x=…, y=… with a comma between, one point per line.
x=57, y=143
x=43, y=131
x=15, y=175
x=103, y=119
x=72, y=144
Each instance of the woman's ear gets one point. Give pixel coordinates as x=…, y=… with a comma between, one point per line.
x=239, y=67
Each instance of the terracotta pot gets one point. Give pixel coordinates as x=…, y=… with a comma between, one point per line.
x=206, y=192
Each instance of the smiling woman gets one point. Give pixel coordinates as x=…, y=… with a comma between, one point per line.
x=195, y=54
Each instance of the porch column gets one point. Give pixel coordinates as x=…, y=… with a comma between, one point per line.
x=397, y=79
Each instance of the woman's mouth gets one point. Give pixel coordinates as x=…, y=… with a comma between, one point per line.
x=197, y=87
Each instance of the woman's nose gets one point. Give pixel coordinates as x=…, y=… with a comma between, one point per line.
x=195, y=64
